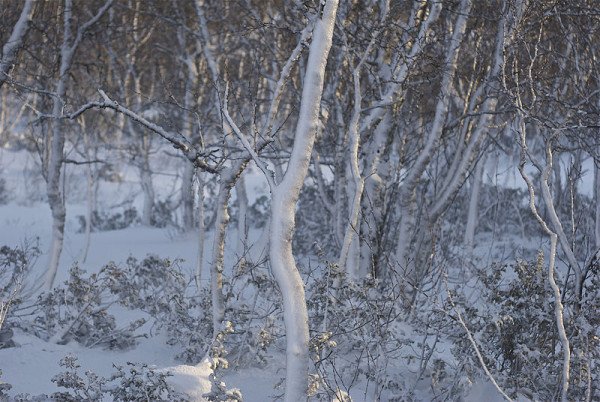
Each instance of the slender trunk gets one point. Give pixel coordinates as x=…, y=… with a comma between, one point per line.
x=200, y=224
x=187, y=196
x=90, y=198
x=283, y=204
x=408, y=193
x=15, y=41
x=554, y=237
x=557, y=182
x=57, y=140
x=55, y=199
x=597, y=199
x=291, y=286
x=55, y=158
x=469, y=239
x=216, y=267
x=376, y=174
x=227, y=180
x=147, y=190
x=88, y=215
x=242, y=229
x=350, y=254
x=187, y=180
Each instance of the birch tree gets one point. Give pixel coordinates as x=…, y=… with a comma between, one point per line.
x=71, y=41
x=284, y=196
x=430, y=142
x=14, y=42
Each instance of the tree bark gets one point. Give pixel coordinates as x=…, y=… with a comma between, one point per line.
x=57, y=140
x=12, y=46
x=242, y=228
x=472, y=213
x=283, y=203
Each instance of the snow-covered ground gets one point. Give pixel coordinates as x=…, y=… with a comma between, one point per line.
x=25, y=220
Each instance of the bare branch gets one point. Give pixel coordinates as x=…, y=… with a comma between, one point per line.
x=198, y=158
x=269, y=174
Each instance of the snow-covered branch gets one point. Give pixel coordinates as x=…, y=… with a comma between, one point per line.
x=177, y=140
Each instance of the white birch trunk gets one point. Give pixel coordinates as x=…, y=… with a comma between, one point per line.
x=554, y=237
x=227, y=180
x=200, y=225
x=55, y=158
x=472, y=214
x=90, y=196
x=408, y=192
x=373, y=197
x=226, y=183
x=187, y=196
x=88, y=214
x=242, y=228
x=147, y=190
x=57, y=140
x=350, y=254
x=187, y=179
x=15, y=41
x=283, y=203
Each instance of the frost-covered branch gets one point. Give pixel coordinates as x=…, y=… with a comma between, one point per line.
x=182, y=144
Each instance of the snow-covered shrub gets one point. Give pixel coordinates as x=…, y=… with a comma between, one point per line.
x=3, y=388
x=137, y=382
x=80, y=389
x=158, y=287
x=516, y=331
x=103, y=221
x=254, y=308
x=311, y=219
x=505, y=210
x=218, y=363
x=77, y=310
x=3, y=192
x=356, y=336
x=163, y=214
x=14, y=263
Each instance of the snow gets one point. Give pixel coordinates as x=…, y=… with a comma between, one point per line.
x=30, y=366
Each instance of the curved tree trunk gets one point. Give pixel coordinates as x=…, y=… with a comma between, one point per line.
x=283, y=204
